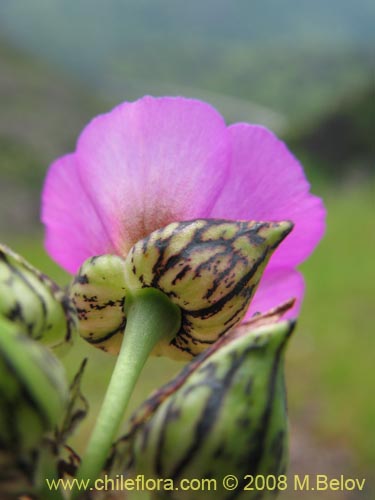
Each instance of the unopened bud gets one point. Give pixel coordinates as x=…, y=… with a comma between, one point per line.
x=224, y=414
x=210, y=269
x=33, y=301
x=98, y=293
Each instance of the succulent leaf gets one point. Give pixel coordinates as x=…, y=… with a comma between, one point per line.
x=32, y=387
x=76, y=408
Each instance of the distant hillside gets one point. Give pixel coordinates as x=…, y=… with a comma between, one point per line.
x=111, y=25
x=295, y=68
x=42, y=113
x=341, y=143
x=295, y=56
x=41, y=109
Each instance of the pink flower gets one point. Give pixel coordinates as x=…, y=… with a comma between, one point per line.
x=157, y=160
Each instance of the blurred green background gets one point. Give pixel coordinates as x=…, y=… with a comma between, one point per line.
x=304, y=69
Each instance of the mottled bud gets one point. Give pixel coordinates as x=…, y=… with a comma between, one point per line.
x=210, y=269
x=98, y=293
x=33, y=389
x=33, y=301
x=225, y=413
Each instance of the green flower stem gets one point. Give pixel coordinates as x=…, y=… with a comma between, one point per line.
x=151, y=317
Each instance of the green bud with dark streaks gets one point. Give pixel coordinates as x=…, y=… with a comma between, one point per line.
x=225, y=413
x=33, y=390
x=209, y=268
x=33, y=301
x=98, y=293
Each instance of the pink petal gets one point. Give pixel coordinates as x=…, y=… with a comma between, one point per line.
x=268, y=183
x=278, y=286
x=74, y=230
x=152, y=162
